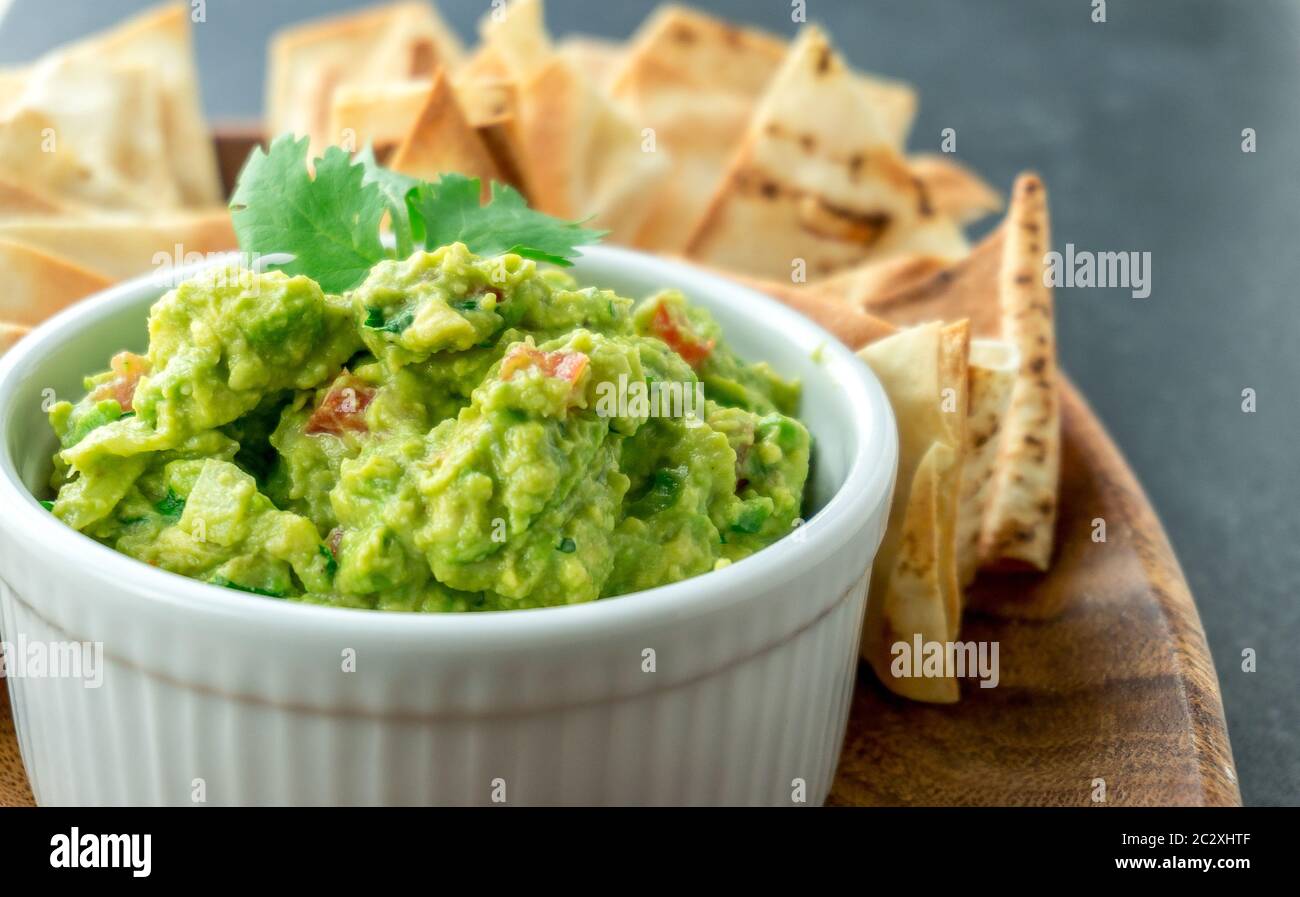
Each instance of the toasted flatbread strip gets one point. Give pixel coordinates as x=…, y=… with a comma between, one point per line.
x=516, y=44
x=11, y=333
x=954, y=189
x=816, y=178
x=161, y=39
x=38, y=284
x=90, y=132
x=442, y=139
x=380, y=115
x=1021, y=520
x=852, y=326
x=914, y=587
x=584, y=158
x=598, y=57
x=395, y=42
x=121, y=245
x=994, y=365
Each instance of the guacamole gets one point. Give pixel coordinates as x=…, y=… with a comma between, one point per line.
x=435, y=439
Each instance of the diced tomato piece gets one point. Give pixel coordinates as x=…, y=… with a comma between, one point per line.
x=680, y=338
x=562, y=364
x=343, y=408
x=127, y=368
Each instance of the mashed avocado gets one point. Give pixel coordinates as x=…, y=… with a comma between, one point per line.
x=435, y=440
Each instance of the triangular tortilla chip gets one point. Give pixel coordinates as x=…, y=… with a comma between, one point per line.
x=441, y=140
x=307, y=63
x=160, y=38
x=1021, y=520
x=696, y=80
x=380, y=115
x=584, y=158
x=492, y=109
x=854, y=286
x=598, y=57
x=955, y=190
x=850, y=325
x=816, y=178
x=914, y=586
x=994, y=365
x=11, y=333
x=122, y=245
x=19, y=199
x=90, y=132
x=38, y=284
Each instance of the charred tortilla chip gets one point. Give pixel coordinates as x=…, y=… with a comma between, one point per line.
x=817, y=179
x=1021, y=520
x=953, y=189
x=994, y=365
x=914, y=582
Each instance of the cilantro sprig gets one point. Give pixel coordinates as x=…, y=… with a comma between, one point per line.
x=331, y=223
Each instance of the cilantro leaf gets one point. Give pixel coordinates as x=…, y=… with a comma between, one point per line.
x=171, y=505
x=450, y=212
x=330, y=223
x=396, y=188
x=396, y=324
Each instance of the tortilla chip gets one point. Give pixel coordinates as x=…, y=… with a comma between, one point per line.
x=442, y=140
x=855, y=286
x=396, y=42
x=91, y=133
x=993, y=367
x=11, y=333
x=39, y=284
x=955, y=190
x=122, y=245
x=492, y=109
x=965, y=289
x=817, y=178
x=598, y=57
x=380, y=115
x=160, y=38
x=1021, y=520
x=584, y=158
x=516, y=44
x=696, y=79
x=914, y=587
x=17, y=199
x=848, y=324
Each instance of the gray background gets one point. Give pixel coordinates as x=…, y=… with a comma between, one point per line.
x=1136, y=126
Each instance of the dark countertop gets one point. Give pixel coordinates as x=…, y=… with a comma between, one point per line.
x=1136, y=126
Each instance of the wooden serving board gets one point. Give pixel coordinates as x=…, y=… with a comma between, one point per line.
x=1105, y=672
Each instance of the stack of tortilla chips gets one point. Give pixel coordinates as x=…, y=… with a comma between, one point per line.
x=777, y=163
x=105, y=161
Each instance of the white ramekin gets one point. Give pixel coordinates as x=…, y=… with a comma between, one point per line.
x=209, y=695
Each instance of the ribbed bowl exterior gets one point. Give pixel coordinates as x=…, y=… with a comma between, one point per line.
x=731, y=688
x=756, y=726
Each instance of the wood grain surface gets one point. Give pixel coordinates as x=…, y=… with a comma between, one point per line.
x=1105, y=672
